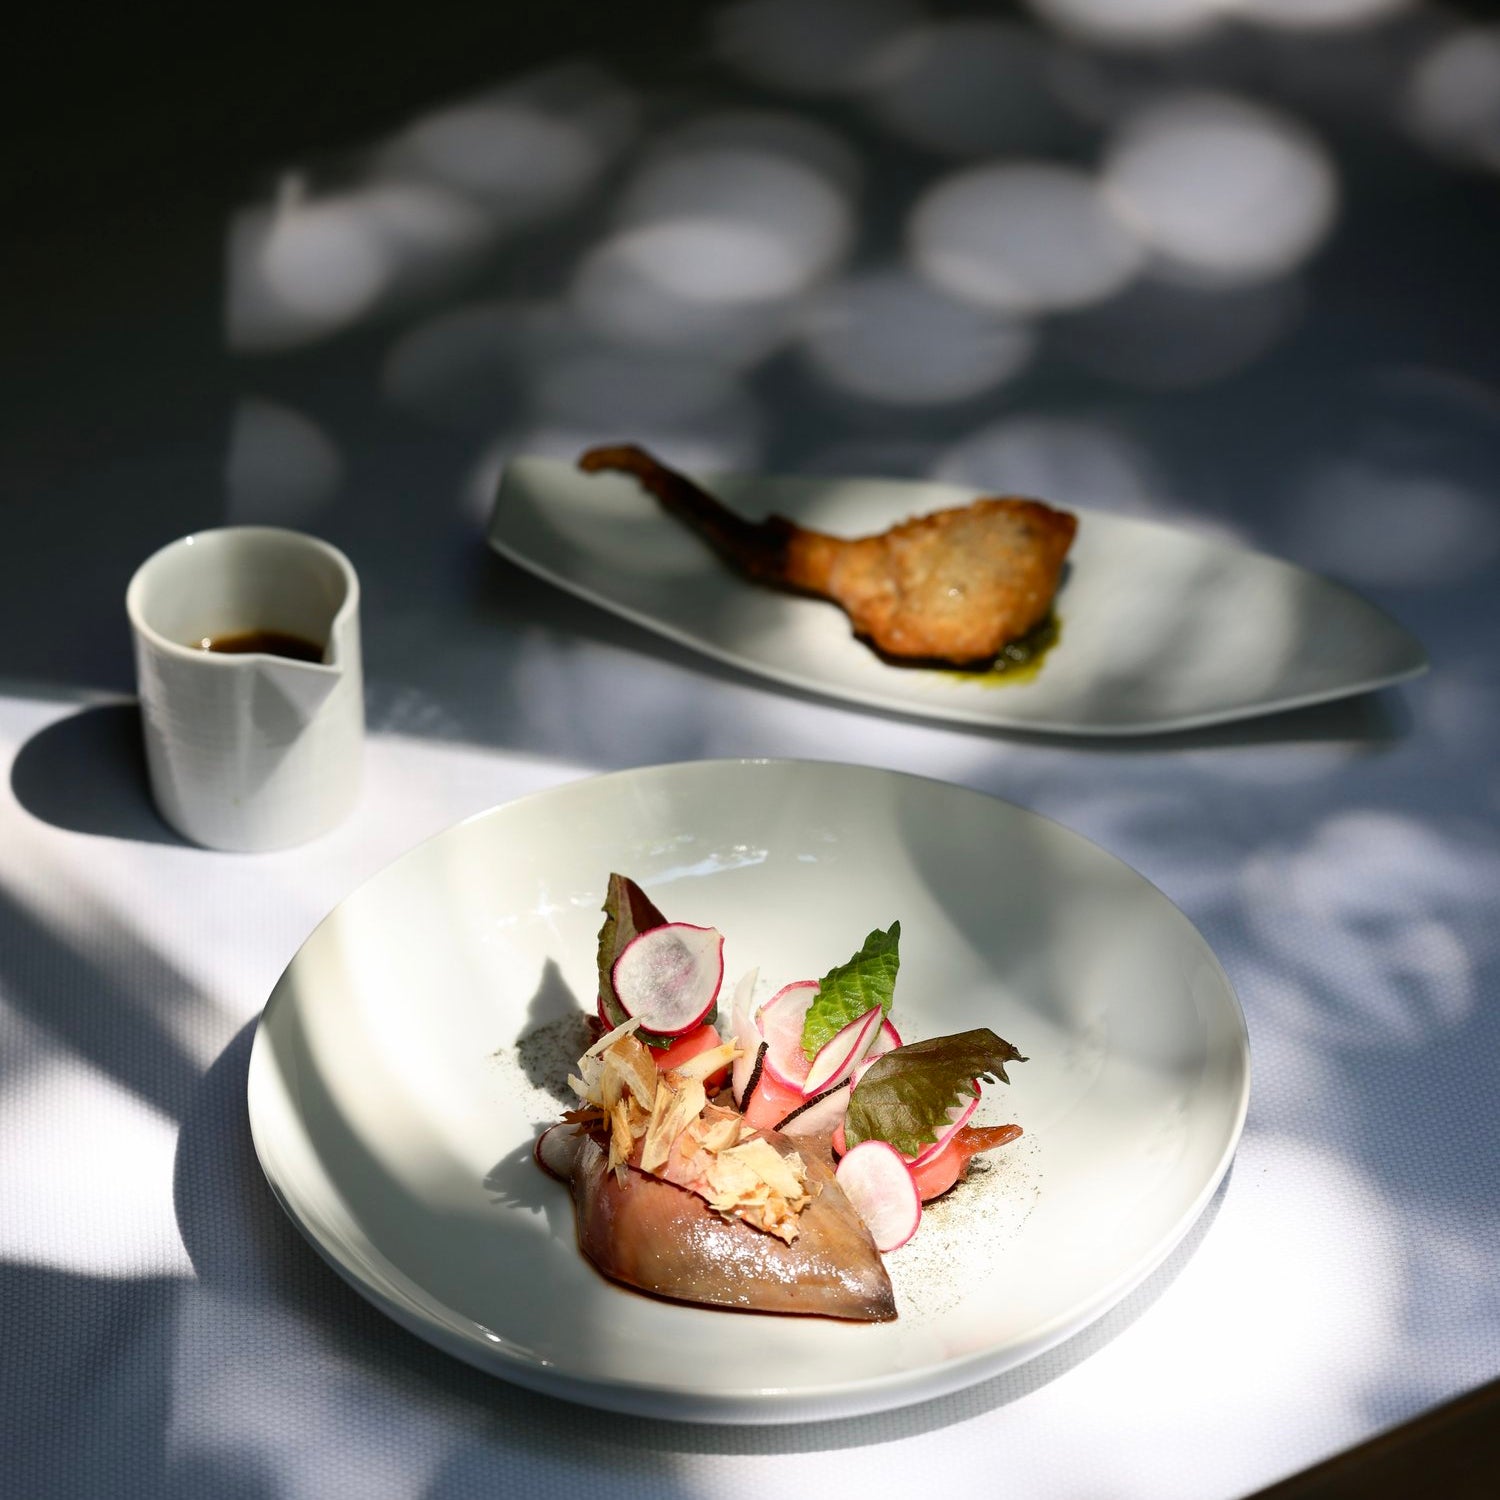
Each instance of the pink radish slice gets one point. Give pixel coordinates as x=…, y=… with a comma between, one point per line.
x=878, y=1183
x=746, y=1036
x=818, y=1116
x=887, y=1039
x=669, y=977
x=935, y=1174
x=841, y=1053
x=960, y=1115
x=781, y=1021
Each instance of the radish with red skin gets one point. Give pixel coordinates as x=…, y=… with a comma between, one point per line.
x=960, y=1115
x=877, y=1181
x=669, y=977
x=817, y=1116
x=934, y=1174
x=781, y=1020
x=841, y=1054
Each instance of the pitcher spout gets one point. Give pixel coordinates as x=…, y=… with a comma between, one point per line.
x=303, y=685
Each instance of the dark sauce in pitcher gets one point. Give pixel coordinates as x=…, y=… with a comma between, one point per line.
x=272, y=642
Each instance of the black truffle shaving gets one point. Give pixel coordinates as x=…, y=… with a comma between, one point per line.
x=807, y=1104
x=760, y=1062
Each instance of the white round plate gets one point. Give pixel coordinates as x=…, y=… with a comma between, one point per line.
x=394, y=1114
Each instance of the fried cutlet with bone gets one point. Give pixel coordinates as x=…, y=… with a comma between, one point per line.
x=952, y=587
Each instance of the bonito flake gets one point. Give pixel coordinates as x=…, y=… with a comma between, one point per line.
x=662, y=1123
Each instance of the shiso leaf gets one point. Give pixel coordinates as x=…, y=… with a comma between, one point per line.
x=847, y=992
x=628, y=911
x=905, y=1096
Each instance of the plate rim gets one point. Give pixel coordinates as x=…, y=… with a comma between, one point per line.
x=958, y=713
x=767, y=1405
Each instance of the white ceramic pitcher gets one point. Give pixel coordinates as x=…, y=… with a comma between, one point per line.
x=249, y=750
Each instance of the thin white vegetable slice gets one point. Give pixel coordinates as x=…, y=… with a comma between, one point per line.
x=877, y=1181
x=781, y=1021
x=669, y=977
x=960, y=1115
x=818, y=1116
x=746, y=1035
x=839, y=1056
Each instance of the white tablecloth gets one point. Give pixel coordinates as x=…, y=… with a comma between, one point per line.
x=168, y=1331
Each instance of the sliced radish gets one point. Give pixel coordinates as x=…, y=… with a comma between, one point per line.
x=887, y=1039
x=771, y=1100
x=841, y=1053
x=959, y=1115
x=747, y=1038
x=880, y=1186
x=669, y=977
x=818, y=1116
x=781, y=1020
x=934, y=1174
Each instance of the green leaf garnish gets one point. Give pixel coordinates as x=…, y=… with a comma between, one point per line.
x=628, y=910
x=905, y=1097
x=847, y=992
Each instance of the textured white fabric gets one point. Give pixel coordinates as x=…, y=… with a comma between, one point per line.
x=167, y=1332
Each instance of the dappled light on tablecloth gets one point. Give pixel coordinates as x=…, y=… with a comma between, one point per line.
x=1453, y=97
x=1223, y=190
x=1379, y=961
x=466, y=367
x=1394, y=488
x=522, y=151
x=813, y=47
x=1144, y=23
x=418, y=211
x=282, y=467
x=1093, y=461
x=1023, y=238
x=970, y=87
x=719, y=233
x=1161, y=334
x=889, y=337
x=1315, y=15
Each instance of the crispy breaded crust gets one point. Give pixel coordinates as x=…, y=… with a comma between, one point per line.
x=954, y=586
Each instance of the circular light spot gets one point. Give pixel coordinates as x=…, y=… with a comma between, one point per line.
x=1067, y=460
x=1453, y=100
x=808, y=46
x=1223, y=190
x=503, y=149
x=1162, y=335
x=629, y=301
x=890, y=337
x=779, y=222
x=970, y=88
x=1024, y=238
x=1141, y=22
x=1309, y=15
